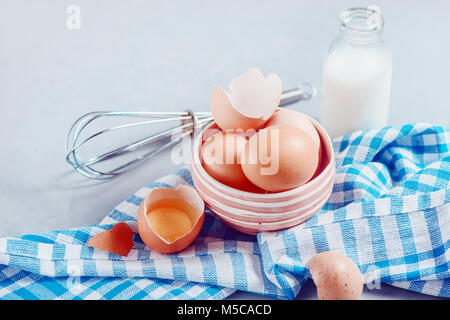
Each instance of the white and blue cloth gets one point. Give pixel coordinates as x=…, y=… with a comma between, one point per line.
x=389, y=212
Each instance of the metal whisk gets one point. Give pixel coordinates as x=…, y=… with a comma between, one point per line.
x=188, y=122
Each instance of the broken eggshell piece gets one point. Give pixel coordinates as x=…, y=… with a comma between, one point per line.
x=251, y=102
x=185, y=201
x=117, y=240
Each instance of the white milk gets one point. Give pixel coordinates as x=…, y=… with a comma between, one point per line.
x=356, y=90
x=356, y=83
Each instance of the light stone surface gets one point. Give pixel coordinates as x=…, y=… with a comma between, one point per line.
x=165, y=56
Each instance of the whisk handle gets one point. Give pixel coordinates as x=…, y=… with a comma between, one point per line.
x=304, y=91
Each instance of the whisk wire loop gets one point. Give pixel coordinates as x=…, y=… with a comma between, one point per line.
x=189, y=123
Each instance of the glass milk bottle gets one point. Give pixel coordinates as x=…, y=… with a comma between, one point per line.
x=356, y=75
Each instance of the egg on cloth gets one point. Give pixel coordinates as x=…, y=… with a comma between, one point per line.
x=252, y=100
x=280, y=158
x=170, y=219
x=336, y=276
x=221, y=159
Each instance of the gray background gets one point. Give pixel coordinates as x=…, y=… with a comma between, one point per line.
x=166, y=55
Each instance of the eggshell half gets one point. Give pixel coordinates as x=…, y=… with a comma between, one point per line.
x=251, y=102
x=336, y=276
x=117, y=240
x=280, y=158
x=296, y=119
x=151, y=238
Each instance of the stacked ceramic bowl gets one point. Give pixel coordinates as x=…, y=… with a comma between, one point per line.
x=255, y=212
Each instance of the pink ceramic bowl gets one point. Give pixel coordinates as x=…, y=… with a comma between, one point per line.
x=254, y=212
x=215, y=204
x=255, y=227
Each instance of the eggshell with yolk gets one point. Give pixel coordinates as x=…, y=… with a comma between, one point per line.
x=291, y=158
x=156, y=241
x=251, y=102
x=336, y=276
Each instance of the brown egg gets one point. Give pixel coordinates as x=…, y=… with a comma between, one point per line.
x=336, y=276
x=296, y=119
x=169, y=219
x=252, y=100
x=299, y=120
x=280, y=158
x=221, y=158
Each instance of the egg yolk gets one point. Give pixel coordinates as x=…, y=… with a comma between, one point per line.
x=171, y=221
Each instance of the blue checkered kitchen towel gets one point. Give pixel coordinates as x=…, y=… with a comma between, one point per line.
x=389, y=212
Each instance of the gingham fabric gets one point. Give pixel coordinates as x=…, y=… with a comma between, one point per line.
x=389, y=212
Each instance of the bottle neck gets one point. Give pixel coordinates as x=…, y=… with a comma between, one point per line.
x=361, y=25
